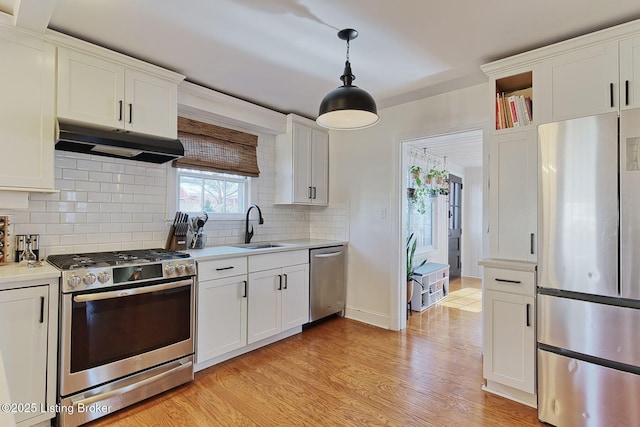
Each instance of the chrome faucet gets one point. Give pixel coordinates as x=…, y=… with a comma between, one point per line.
x=249, y=234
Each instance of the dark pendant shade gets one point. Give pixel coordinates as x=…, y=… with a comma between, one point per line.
x=347, y=107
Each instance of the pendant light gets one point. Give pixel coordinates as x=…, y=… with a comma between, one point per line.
x=347, y=107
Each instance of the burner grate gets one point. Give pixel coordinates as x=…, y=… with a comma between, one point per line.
x=105, y=259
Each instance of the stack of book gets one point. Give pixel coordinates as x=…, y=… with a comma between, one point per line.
x=514, y=109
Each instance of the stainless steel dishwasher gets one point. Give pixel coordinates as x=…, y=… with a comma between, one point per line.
x=327, y=290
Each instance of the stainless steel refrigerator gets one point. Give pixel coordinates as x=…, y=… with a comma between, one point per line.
x=589, y=271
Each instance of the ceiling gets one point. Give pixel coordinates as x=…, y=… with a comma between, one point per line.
x=285, y=54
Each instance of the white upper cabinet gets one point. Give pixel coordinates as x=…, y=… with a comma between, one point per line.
x=584, y=81
x=302, y=164
x=27, y=84
x=105, y=93
x=630, y=73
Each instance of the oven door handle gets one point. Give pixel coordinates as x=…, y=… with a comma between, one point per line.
x=130, y=292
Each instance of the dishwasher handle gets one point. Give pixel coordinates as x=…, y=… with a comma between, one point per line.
x=328, y=254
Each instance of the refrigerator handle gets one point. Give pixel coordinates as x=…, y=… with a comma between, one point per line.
x=527, y=316
x=533, y=238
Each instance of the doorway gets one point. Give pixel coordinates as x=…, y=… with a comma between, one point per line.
x=453, y=223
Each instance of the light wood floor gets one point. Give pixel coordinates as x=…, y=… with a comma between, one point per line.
x=345, y=373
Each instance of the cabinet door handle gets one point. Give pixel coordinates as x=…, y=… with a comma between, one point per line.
x=279, y=282
x=508, y=281
x=533, y=238
x=626, y=92
x=286, y=281
x=309, y=194
x=120, y=109
x=314, y=192
x=41, y=309
x=611, y=93
x=244, y=285
x=528, y=319
x=130, y=113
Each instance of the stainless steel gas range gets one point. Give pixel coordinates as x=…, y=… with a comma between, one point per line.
x=126, y=329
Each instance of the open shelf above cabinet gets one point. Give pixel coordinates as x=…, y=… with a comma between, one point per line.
x=514, y=101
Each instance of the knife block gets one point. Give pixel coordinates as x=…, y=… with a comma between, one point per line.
x=176, y=243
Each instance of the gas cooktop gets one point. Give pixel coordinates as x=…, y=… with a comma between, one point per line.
x=111, y=259
x=92, y=270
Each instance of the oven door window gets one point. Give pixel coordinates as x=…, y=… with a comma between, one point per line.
x=111, y=326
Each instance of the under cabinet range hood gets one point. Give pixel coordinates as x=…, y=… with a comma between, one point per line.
x=124, y=145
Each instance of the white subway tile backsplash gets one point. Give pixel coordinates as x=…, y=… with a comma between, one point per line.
x=75, y=174
x=112, y=204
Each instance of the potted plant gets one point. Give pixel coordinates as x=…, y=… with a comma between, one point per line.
x=411, y=250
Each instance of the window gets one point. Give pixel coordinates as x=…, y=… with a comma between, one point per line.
x=220, y=195
x=421, y=224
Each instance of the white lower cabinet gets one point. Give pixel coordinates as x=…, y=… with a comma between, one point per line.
x=509, y=338
x=222, y=316
x=246, y=302
x=278, y=300
x=28, y=342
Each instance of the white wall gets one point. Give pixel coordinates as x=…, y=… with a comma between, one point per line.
x=365, y=172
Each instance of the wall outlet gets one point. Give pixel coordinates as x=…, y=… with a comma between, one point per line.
x=299, y=215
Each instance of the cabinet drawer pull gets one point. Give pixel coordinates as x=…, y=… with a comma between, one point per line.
x=528, y=319
x=225, y=268
x=508, y=281
x=611, y=93
x=41, y=309
x=244, y=284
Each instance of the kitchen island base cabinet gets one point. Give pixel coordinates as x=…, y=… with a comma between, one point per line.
x=28, y=339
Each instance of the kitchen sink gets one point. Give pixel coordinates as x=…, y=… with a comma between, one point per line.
x=258, y=246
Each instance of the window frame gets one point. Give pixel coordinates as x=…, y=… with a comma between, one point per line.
x=214, y=216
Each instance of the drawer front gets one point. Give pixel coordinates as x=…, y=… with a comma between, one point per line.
x=514, y=281
x=217, y=269
x=278, y=260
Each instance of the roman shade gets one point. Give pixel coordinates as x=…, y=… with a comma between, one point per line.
x=213, y=148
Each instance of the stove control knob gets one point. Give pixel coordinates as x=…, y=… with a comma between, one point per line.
x=73, y=281
x=191, y=268
x=103, y=277
x=170, y=269
x=181, y=268
x=89, y=279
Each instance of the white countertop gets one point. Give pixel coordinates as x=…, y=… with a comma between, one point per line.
x=13, y=274
x=221, y=252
